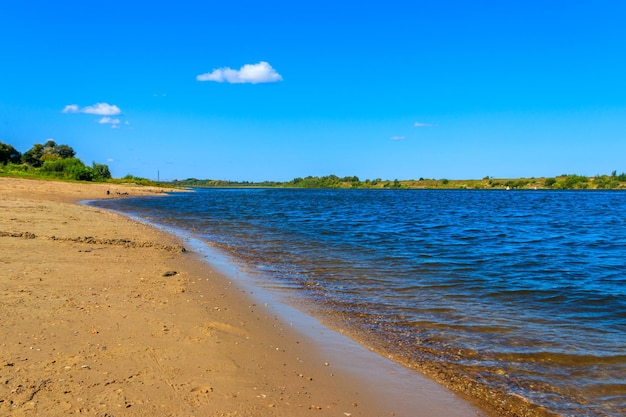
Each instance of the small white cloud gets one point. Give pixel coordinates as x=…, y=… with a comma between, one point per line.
x=108, y=120
x=71, y=108
x=398, y=138
x=115, y=123
x=101, y=109
x=249, y=73
x=419, y=124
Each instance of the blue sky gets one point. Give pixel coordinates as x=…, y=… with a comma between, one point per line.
x=275, y=90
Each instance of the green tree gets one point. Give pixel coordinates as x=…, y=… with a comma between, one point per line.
x=576, y=181
x=65, y=151
x=50, y=151
x=101, y=171
x=549, y=182
x=9, y=154
x=33, y=156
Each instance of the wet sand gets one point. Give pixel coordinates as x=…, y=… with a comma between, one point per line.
x=105, y=316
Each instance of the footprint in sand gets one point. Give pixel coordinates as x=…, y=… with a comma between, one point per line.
x=215, y=326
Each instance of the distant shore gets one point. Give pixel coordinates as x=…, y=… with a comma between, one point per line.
x=106, y=316
x=561, y=182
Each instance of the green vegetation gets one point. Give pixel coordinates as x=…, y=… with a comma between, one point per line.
x=562, y=182
x=49, y=160
x=8, y=154
x=194, y=182
x=131, y=179
x=330, y=181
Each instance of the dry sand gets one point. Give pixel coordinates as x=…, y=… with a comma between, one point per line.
x=104, y=316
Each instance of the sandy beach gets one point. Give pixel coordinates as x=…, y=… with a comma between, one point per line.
x=105, y=316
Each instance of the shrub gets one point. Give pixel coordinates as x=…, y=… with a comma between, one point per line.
x=101, y=171
x=576, y=181
x=71, y=168
x=549, y=182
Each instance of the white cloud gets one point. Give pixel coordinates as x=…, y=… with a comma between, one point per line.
x=71, y=108
x=101, y=109
x=418, y=124
x=115, y=123
x=398, y=138
x=249, y=73
x=108, y=120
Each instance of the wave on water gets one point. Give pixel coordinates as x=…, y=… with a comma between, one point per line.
x=520, y=294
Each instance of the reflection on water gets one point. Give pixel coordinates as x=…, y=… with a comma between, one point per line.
x=522, y=291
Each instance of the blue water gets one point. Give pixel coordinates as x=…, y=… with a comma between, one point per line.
x=522, y=292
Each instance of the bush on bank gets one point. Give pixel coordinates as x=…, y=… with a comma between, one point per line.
x=49, y=160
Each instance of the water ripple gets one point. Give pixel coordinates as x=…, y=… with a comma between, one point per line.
x=523, y=291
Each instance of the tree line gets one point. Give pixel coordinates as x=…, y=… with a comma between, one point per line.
x=561, y=182
x=50, y=160
x=59, y=161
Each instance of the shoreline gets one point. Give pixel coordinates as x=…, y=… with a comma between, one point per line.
x=107, y=315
